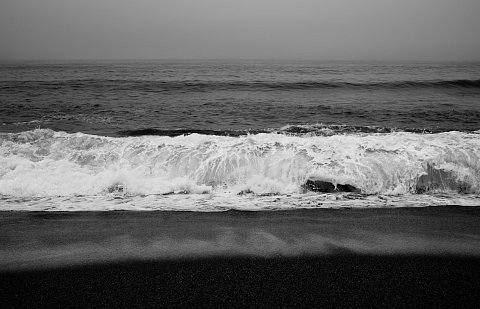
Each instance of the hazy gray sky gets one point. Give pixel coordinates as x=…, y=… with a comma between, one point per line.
x=292, y=29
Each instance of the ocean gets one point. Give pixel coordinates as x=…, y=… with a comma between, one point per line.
x=244, y=135
x=230, y=178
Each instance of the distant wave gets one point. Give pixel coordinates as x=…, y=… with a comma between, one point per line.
x=328, y=130
x=179, y=132
x=295, y=130
x=205, y=86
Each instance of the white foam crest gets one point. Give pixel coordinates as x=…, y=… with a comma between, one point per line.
x=47, y=163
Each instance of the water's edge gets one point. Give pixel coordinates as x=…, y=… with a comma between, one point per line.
x=51, y=239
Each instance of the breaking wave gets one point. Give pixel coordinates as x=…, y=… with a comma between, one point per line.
x=42, y=163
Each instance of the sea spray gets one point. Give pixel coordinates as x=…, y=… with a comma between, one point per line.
x=42, y=163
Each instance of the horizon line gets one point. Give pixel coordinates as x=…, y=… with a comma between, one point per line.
x=140, y=59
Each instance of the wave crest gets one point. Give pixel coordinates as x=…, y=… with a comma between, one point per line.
x=48, y=163
x=206, y=86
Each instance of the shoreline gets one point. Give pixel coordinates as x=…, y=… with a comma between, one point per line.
x=397, y=257
x=33, y=240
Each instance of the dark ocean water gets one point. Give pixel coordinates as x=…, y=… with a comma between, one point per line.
x=215, y=135
x=107, y=98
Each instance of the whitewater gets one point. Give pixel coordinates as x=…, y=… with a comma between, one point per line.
x=44, y=169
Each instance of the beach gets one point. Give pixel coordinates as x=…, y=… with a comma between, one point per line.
x=239, y=154
x=333, y=281
x=158, y=183
x=349, y=257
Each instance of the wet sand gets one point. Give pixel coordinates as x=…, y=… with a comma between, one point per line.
x=351, y=257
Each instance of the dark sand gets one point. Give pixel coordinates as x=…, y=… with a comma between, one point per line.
x=334, y=281
x=412, y=257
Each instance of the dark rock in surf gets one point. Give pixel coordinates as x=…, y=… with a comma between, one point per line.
x=116, y=188
x=328, y=187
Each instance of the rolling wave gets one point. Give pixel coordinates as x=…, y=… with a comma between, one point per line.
x=179, y=132
x=295, y=130
x=45, y=163
x=205, y=86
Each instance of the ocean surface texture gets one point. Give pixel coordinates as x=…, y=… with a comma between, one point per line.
x=214, y=136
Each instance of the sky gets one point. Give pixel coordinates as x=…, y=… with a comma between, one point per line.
x=242, y=29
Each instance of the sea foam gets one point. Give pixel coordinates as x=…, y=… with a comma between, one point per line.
x=43, y=164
